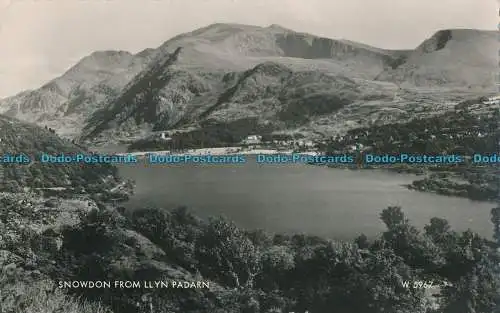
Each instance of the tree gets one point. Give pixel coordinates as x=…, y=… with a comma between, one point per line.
x=472, y=269
x=495, y=219
x=340, y=276
x=393, y=217
x=407, y=241
x=276, y=262
x=439, y=231
x=362, y=241
x=226, y=254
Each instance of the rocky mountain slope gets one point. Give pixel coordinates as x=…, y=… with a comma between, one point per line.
x=226, y=72
x=459, y=57
x=272, y=78
x=65, y=102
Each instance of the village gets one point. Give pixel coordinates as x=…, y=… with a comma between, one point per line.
x=258, y=142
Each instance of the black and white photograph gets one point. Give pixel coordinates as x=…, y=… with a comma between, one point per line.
x=236, y=156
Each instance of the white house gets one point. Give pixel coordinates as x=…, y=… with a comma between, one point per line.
x=253, y=139
x=493, y=100
x=164, y=136
x=357, y=147
x=305, y=143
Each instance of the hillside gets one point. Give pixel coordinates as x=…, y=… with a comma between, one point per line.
x=456, y=132
x=257, y=272
x=278, y=78
x=37, y=201
x=271, y=93
x=70, y=178
x=246, y=270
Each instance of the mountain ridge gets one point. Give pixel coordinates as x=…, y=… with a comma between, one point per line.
x=440, y=58
x=73, y=102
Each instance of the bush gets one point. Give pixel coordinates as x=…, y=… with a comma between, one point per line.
x=21, y=293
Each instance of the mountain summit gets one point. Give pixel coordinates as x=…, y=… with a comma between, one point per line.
x=453, y=57
x=66, y=101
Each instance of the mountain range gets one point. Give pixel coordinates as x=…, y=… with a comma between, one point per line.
x=263, y=79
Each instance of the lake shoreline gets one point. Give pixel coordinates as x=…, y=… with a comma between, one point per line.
x=219, y=151
x=427, y=183
x=287, y=199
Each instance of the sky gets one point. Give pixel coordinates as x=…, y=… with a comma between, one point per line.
x=40, y=39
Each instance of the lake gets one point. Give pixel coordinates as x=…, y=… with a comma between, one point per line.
x=336, y=203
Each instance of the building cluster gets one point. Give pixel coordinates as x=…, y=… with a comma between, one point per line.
x=257, y=141
x=485, y=106
x=492, y=101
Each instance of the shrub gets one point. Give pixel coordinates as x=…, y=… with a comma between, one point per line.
x=21, y=293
